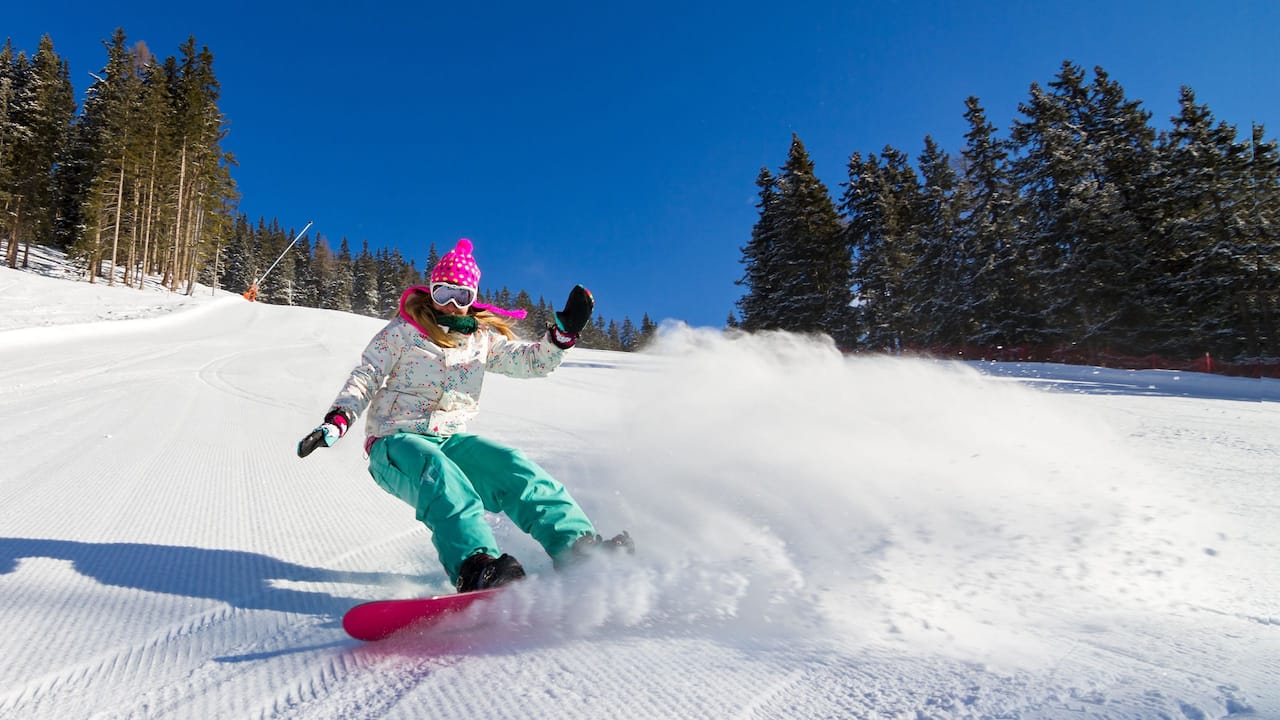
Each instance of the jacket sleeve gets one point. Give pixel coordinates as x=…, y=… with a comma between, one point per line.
x=522, y=359
x=376, y=362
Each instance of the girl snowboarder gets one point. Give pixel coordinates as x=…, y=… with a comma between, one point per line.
x=420, y=379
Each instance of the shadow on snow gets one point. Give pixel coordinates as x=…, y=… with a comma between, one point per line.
x=241, y=579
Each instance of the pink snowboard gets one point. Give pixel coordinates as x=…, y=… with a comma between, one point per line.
x=382, y=618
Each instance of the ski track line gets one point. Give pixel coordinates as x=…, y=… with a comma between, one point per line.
x=159, y=649
x=593, y=676
x=230, y=667
x=127, y=670
x=362, y=682
x=24, y=473
x=751, y=709
x=211, y=374
x=50, y=374
x=380, y=685
x=1133, y=660
x=1123, y=682
x=290, y=635
x=375, y=681
x=82, y=675
x=1258, y=619
x=387, y=678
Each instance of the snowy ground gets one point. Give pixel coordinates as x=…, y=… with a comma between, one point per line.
x=819, y=537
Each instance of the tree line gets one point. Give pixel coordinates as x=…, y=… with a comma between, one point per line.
x=136, y=181
x=137, y=184
x=1084, y=227
x=313, y=274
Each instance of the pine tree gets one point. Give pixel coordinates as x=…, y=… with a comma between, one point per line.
x=154, y=177
x=880, y=202
x=343, y=278
x=1053, y=175
x=9, y=131
x=145, y=184
x=936, y=288
x=811, y=260
x=1205, y=199
x=11, y=134
x=595, y=335
x=628, y=336
x=388, y=263
x=523, y=301
x=759, y=258
x=540, y=317
x=203, y=185
x=326, y=269
x=73, y=177
x=364, y=283
x=1112, y=262
x=648, y=331
x=614, y=337
x=1087, y=156
x=900, y=199
x=40, y=107
x=992, y=265
x=109, y=117
x=1264, y=231
x=410, y=276
x=394, y=276
x=432, y=258
x=281, y=285
x=306, y=291
x=238, y=265
x=864, y=237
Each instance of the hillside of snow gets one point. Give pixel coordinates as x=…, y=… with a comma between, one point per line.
x=818, y=536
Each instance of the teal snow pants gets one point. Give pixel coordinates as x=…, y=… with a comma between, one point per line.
x=451, y=481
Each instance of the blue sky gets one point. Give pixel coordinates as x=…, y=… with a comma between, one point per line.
x=617, y=144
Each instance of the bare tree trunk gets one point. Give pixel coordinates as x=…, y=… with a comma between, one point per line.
x=95, y=254
x=4, y=213
x=177, y=229
x=184, y=264
x=150, y=218
x=11, y=257
x=213, y=279
x=115, y=238
x=195, y=240
x=131, y=265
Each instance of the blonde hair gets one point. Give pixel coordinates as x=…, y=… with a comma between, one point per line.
x=420, y=310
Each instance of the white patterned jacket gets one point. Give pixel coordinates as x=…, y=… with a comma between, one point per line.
x=410, y=384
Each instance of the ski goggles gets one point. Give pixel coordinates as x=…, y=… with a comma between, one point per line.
x=460, y=295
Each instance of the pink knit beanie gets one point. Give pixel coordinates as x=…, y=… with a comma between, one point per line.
x=458, y=267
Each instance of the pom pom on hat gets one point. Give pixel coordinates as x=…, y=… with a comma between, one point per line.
x=458, y=267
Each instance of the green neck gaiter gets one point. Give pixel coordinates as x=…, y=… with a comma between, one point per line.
x=465, y=324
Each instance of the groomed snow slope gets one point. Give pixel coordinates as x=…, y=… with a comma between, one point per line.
x=819, y=536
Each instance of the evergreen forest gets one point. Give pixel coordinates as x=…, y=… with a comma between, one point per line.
x=1083, y=231
x=1080, y=234
x=136, y=183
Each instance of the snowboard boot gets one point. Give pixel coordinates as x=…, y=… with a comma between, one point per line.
x=482, y=571
x=588, y=545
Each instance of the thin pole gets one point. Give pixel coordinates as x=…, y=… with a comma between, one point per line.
x=252, y=293
x=277, y=262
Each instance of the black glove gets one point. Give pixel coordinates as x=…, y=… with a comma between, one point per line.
x=575, y=316
x=335, y=426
